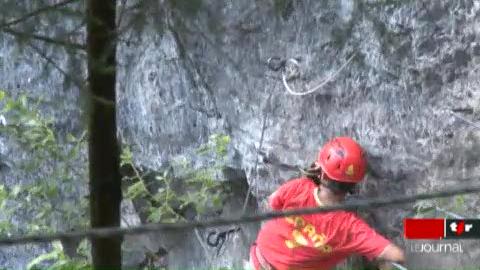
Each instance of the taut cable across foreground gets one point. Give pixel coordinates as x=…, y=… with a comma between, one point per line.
x=147, y=228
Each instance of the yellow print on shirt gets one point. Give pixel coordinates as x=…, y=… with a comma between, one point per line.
x=304, y=235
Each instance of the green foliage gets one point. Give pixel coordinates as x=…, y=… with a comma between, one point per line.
x=60, y=158
x=48, y=199
x=57, y=260
x=430, y=208
x=459, y=205
x=200, y=191
x=424, y=209
x=3, y=196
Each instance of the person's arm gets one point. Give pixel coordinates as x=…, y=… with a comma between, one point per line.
x=367, y=242
x=276, y=200
x=392, y=253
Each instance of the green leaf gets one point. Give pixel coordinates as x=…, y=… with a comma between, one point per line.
x=3, y=192
x=155, y=216
x=83, y=248
x=170, y=220
x=15, y=191
x=5, y=226
x=62, y=264
x=54, y=254
x=126, y=157
x=57, y=245
x=217, y=201
x=181, y=162
x=40, y=215
x=459, y=202
x=11, y=104
x=159, y=197
x=23, y=101
x=200, y=207
x=71, y=138
x=2, y=95
x=51, y=191
x=69, y=207
x=136, y=190
x=202, y=150
x=32, y=123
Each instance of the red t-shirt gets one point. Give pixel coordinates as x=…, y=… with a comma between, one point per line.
x=316, y=241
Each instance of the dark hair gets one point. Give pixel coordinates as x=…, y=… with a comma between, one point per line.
x=339, y=187
x=336, y=187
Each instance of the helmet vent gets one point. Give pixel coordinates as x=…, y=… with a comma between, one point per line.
x=328, y=158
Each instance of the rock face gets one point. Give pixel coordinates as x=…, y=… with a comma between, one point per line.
x=413, y=78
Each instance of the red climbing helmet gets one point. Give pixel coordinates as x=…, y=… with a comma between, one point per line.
x=342, y=159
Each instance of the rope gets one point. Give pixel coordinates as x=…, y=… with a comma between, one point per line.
x=255, y=167
x=399, y=266
x=473, y=124
x=205, y=249
x=220, y=238
x=258, y=153
x=449, y=213
x=147, y=228
x=329, y=79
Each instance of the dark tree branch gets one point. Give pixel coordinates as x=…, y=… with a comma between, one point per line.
x=45, y=39
x=36, y=13
x=49, y=60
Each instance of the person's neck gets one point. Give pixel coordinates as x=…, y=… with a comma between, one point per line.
x=327, y=198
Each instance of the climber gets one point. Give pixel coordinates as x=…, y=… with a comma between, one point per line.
x=322, y=240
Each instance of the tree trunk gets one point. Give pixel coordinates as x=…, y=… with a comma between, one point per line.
x=105, y=190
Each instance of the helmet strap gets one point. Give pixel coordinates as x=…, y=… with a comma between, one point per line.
x=337, y=187
x=312, y=173
x=318, y=177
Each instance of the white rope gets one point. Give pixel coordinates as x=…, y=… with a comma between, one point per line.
x=399, y=266
x=449, y=213
x=329, y=79
x=475, y=125
x=204, y=247
x=257, y=154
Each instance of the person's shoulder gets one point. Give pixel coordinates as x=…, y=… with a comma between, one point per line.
x=295, y=185
x=346, y=218
x=300, y=181
x=351, y=216
x=355, y=221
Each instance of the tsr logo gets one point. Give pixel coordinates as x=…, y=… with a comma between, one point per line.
x=460, y=227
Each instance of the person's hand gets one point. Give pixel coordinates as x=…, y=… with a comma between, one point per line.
x=389, y=266
x=384, y=265
x=392, y=253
